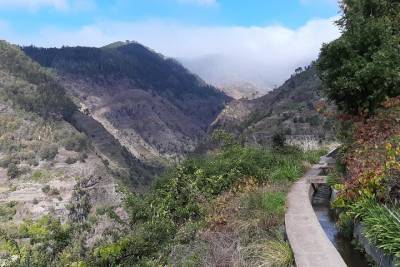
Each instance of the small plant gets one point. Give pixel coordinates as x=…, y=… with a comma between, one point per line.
x=33, y=162
x=13, y=171
x=71, y=160
x=77, y=142
x=46, y=189
x=7, y=211
x=278, y=140
x=35, y=201
x=48, y=152
x=269, y=253
x=333, y=179
x=82, y=156
x=54, y=192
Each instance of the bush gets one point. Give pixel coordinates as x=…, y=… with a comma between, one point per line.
x=48, y=152
x=13, y=171
x=360, y=69
x=33, y=162
x=7, y=211
x=77, y=142
x=38, y=175
x=71, y=160
x=6, y=160
x=278, y=140
x=82, y=157
x=54, y=192
x=46, y=189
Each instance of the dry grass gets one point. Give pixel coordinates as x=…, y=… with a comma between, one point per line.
x=239, y=232
x=268, y=253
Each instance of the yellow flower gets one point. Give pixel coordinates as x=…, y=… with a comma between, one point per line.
x=388, y=146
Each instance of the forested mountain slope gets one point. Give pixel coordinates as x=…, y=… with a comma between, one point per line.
x=47, y=167
x=294, y=109
x=151, y=104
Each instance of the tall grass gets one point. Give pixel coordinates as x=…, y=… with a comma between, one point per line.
x=381, y=226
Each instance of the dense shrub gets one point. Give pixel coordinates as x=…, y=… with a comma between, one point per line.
x=34, y=88
x=76, y=142
x=380, y=225
x=178, y=198
x=7, y=211
x=278, y=140
x=360, y=69
x=71, y=160
x=13, y=171
x=46, y=189
x=48, y=152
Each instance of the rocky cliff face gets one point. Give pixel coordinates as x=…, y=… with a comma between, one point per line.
x=295, y=110
x=150, y=104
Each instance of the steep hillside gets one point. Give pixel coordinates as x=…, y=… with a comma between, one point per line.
x=46, y=165
x=290, y=109
x=151, y=104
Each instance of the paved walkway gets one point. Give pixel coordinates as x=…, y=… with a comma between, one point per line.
x=310, y=245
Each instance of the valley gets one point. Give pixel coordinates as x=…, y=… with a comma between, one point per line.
x=151, y=104
x=115, y=154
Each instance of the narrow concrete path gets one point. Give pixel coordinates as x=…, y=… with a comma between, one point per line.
x=310, y=245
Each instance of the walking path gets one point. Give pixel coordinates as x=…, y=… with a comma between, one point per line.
x=310, y=245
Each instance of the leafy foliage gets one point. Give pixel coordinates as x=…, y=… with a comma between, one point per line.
x=381, y=225
x=361, y=68
x=180, y=196
x=29, y=86
x=371, y=188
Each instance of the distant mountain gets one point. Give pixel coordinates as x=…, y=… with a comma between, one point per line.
x=237, y=79
x=239, y=90
x=151, y=104
x=290, y=110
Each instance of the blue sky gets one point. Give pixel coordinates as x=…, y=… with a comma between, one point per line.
x=31, y=15
x=261, y=40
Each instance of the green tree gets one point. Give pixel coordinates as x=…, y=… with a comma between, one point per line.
x=362, y=68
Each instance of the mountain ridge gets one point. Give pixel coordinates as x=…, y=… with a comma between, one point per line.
x=289, y=110
x=151, y=104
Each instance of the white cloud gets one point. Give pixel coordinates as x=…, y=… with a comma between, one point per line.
x=33, y=5
x=200, y=2
x=267, y=55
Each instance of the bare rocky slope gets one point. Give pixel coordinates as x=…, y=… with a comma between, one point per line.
x=295, y=110
x=151, y=104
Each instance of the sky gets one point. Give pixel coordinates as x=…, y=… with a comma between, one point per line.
x=263, y=40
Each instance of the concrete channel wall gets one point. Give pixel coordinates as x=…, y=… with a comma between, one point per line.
x=377, y=254
x=311, y=246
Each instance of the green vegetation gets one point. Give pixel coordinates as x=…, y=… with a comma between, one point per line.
x=7, y=211
x=235, y=188
x=29, y=86
x=48, y=152
x=381, y=225
x=76, y=142
x=360, y=74
x=181, y=197
x=131, y=61
x=71, y=160
x=13, y=171
x=360, y=69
